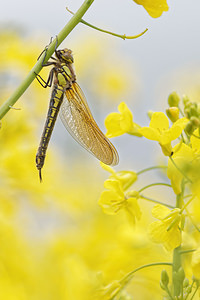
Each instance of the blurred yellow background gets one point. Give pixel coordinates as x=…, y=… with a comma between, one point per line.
x=56, y=243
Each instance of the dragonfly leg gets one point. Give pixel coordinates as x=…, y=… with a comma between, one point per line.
x=49, y=81
x=45, y=50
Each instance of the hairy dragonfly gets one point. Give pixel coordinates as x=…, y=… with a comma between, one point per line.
x=68, y=98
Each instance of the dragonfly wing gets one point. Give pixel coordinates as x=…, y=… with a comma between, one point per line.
x=77, y=119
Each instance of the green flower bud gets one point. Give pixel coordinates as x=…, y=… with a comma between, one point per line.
x=150, y=113
x=195, y=121
x=163, y=287
x=198, y=108
x=188, y=289
x=193, y=110
x=185, y=282
x=173, y=99
x=189, y=128
x=187, y=112
x=173, y=113
x=164, y=278
x=186, y=100
x=181, y=274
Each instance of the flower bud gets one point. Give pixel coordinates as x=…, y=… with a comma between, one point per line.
x=164, y=278
x=198, y=108
x=193, y=110
x=173, y=113
x=186, y=100
x=127, y=178
x=173, y=99
x=181, y=274
x=185, y=282
x=189, y=128
x=166, y=149
x=150, y=113
x=195, y=121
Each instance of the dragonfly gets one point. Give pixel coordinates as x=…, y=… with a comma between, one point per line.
x=68, y=100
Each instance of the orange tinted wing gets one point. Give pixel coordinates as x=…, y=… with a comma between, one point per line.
x=78, y=120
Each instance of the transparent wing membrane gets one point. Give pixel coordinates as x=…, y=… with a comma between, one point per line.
x=77, y=119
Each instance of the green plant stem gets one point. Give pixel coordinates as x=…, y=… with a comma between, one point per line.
x=156, y=201
x=154, y=184
x=169, y=293
x=129, y=276
x=177, y=284
x=122, y=36
x=187, y=251
x=151, y=168
x=51, y=48
x=194, y=292
x=181, y=171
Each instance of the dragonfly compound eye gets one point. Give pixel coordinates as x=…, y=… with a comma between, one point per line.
x=65, y=55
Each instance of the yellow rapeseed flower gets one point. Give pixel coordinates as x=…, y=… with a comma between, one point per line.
x=159, y=130
x=195, y=142
x=114, y=199
x=122, y=122
x=155, y=8
x=196, y=263
x=127, y=178
x=182, y=157
x=166, y=231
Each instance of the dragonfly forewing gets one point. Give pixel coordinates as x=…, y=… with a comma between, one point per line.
x=78, y=120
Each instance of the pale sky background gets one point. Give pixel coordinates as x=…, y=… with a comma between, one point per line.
x=168, y=50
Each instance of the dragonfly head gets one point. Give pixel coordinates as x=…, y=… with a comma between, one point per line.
x=65, y=55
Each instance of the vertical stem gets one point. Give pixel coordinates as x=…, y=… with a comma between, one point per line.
x=175, y=268
x=177, y=283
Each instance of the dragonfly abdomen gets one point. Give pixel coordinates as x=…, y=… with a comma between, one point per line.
x=54, y=106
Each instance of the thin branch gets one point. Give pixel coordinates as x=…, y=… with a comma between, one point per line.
x=181, y=171
x=151, y=168
x=156, y=201
x=129, y=275
x=122, y=36
x=154, y=184
x=48, y=52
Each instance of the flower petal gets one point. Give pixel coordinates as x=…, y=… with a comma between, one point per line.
x=160, y=211
x=154, y=8
x=159, y=121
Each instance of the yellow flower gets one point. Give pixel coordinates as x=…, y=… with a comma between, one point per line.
x=159, y=130
x=114, y=199
x=155, y=8
x=182, y=158
x=127, y=178
x=120, y=123
x=195, y=142
x=166, y=230
x=196, y=263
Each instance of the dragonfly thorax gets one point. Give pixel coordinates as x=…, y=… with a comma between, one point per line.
x=65, y=55
x=63, y=76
